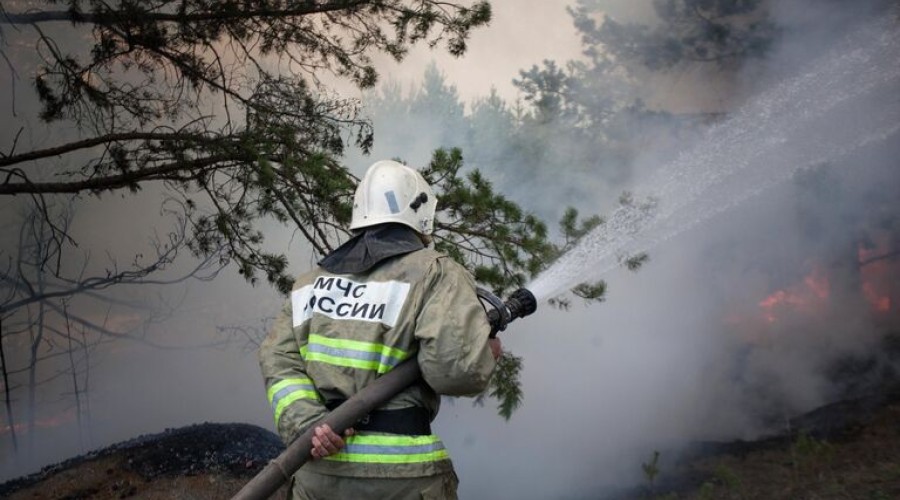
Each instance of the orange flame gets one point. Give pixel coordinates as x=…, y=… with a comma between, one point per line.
x=42, y=423
x=808, y=297
x=876, y=275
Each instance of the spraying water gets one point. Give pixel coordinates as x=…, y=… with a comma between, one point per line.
x=800, y=123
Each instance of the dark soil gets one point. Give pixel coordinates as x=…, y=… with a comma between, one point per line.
x=199, y=461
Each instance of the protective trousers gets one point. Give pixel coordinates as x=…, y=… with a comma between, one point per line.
x=309, y=485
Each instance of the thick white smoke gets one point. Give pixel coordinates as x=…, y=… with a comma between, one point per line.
x=753, y=304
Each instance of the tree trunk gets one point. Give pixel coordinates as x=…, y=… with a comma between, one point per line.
x=6, y=393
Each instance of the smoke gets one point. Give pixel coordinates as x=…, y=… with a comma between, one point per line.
x=796, y=125
x=147, y=357
x=753, y=307
x=164, y=361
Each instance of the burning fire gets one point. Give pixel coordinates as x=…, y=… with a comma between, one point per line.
x=808, y=297
x=63, y=418
x=855, y=290
x=875, y=271
x=811, y=295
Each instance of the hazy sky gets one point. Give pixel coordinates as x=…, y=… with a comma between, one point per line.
x=522, y=33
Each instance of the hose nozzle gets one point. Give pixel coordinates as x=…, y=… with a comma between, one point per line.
x=520, y=304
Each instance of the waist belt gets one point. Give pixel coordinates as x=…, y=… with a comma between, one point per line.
x=412, y=421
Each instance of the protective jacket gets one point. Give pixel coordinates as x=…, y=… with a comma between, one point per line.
x=378, y=300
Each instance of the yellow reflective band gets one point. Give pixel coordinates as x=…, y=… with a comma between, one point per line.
x=290, y=398
x=352, y=353
x=348, y=362
x=285, y=392
x=278, y=386
x=358, y=345
x=392, y=449
x=371, y=458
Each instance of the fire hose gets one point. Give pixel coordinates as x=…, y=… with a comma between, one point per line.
x=279, y=471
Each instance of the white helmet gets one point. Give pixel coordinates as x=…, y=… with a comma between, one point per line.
x=393, y=192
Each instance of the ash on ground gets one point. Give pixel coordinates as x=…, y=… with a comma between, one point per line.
x=239, y=450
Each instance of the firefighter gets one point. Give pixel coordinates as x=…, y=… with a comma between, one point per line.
x=378, y=299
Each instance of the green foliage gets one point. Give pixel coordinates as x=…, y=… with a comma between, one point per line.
x=587, y=118
x=543, y=88
x=505, y=386
x=651, y=468
x=143, y=92
x=573, y=230
x=708, y=492
x=635, y=262
x=727, y=477
x=580, y=121
x=218, y=103
x=809, y=452
x=483, y=230
x=690, y=31
x=590, y=291
x=568, y=130
x=502, y=244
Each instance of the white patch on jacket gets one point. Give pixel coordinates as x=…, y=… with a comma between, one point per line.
x=340, y=298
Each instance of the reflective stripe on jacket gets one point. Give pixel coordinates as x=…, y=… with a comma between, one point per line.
x=391, y=449
x=337, y=333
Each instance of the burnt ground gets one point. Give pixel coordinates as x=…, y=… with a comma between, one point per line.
x=205, y=461
x=849, y=449
x=845, y=450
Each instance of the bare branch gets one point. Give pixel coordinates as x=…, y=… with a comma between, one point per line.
x=877, y=258
x=110, y=18
x=39, y=154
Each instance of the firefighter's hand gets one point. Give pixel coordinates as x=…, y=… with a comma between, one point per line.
x=496, y=348
x=326, y=442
